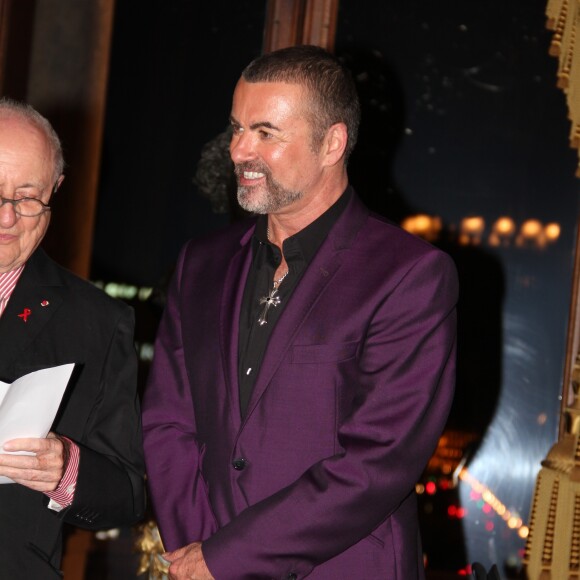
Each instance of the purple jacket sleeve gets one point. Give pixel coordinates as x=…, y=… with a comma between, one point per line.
x=169, y=425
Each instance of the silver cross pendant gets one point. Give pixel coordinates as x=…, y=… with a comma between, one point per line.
x=271, y=300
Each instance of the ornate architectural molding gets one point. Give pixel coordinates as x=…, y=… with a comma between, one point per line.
x=564, y=20
x=553, y=546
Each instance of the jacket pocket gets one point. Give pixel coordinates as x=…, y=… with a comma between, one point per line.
x=41, y=561
x=322, y=353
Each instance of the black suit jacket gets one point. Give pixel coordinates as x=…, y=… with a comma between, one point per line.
x=72, y=321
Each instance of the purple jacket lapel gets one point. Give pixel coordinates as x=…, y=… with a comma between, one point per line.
x=230, y=308
x=317, y=276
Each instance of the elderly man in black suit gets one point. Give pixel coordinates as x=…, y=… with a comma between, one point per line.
x=89, y=470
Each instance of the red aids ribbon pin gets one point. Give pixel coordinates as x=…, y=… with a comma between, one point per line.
x=25, y=314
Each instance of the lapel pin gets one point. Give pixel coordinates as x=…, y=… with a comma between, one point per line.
x=25, y=314
x=45, y=303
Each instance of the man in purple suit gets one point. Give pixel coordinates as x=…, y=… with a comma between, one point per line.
x=304, y=365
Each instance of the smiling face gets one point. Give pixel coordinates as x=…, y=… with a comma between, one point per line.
x=26, y=170
x=277, y=168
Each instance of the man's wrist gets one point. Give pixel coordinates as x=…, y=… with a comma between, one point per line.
x=63, y=495
x=66, y=442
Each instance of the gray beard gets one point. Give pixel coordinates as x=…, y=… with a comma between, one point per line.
x=273, y=198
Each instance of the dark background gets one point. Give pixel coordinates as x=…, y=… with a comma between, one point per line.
x=172, y=75
x=461, y=117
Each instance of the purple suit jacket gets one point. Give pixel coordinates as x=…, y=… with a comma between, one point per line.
x=352, y=395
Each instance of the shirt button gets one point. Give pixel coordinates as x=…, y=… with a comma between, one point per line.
x=239, y=464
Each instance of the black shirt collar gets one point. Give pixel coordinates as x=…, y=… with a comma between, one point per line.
x=306, y=242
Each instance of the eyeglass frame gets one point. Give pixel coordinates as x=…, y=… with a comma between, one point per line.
x=15, y=202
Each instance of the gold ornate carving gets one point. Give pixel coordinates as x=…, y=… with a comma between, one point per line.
x=564, y=20
x=553, y=545
x=150, y=546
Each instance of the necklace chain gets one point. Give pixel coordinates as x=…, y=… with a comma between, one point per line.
x=272, y=299
x=279, y=280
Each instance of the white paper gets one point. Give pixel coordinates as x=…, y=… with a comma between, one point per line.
x=29, y=405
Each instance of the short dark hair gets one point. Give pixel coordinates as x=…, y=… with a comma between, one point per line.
x=333, y=94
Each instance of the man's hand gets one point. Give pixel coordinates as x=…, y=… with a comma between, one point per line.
x=41, y=471
x=188, y=563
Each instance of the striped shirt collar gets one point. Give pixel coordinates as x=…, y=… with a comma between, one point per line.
x=8, y=281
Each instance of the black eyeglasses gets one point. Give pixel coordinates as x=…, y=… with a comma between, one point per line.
x=28, y=206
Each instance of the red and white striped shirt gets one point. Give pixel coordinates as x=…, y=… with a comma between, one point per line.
x=7, y=284
x=63, y=495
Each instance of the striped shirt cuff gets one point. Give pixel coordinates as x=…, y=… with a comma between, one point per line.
x=63, y=495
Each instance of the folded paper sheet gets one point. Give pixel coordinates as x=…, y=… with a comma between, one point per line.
x=29, y=405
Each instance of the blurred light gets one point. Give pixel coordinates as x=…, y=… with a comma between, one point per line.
x=513, y=520
x=501, y=232
x=504, y=226
x=111, y=534
x=504, y=231
x=531, y=229
x=524, y=532
x=489, y=526
x=144, y=293
x=473, y=225
x=552, y=232
x=419, y=488
x=452, y=511
x=423, y=225
x=145, y=351
x=430, y=488
x=125, y=291
x=542, y=418
x=471, y=230
x=531, y=234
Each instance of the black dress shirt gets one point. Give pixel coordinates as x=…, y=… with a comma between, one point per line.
x=299, y=250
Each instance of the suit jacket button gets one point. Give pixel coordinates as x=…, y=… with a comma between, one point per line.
x=239, y=463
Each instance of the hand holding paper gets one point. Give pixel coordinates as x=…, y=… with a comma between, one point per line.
x=28, y=407
x=41, y=468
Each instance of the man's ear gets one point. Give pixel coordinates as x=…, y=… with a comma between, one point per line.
x=57, y=184
x=335, y=143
